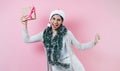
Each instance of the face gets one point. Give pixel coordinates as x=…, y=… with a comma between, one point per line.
x=56, y=21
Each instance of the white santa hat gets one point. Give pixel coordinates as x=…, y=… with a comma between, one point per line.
x=59, y=12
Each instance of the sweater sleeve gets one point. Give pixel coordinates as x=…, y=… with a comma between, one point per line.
x=81, y=46
x=34, y=38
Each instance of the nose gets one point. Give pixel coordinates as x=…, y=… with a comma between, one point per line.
x=55, y=21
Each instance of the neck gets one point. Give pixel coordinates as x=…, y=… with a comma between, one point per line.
x=54, y=32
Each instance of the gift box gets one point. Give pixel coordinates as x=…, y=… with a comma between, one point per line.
x=29, y=13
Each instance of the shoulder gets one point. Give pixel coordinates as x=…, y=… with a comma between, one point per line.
x=68, y=35
x=69, y=32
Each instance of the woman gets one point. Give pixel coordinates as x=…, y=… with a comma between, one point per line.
x=57, y=40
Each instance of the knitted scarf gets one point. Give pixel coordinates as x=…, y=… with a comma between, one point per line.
x=54, y=44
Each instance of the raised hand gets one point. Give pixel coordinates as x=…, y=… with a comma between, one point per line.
x=97, y=38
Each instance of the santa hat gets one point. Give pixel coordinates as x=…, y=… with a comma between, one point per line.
x=59, y=12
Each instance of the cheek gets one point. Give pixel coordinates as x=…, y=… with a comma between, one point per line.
x=60, y=23
x=50, y=22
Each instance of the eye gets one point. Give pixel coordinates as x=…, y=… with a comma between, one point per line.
x=58, y=19
x=53, y=18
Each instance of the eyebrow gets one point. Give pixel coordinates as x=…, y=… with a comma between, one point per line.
x=57, y=18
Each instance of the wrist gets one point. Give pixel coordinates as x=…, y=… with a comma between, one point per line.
x=94, y=43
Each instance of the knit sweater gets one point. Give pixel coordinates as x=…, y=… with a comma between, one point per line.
x=68, y=41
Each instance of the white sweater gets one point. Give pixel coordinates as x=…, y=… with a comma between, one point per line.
x=68, y=40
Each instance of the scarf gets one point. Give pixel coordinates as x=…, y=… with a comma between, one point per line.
x=54, y=46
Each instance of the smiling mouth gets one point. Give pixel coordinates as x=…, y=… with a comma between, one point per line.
x=55, y=26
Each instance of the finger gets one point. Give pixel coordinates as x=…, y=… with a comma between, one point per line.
x=24, y=18
x=98, y=37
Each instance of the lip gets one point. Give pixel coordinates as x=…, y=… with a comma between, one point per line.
x=55, y=26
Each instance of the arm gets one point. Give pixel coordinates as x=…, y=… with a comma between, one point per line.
x=81, y=46
x=27, y=38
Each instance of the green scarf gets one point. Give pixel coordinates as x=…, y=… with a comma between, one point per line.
x=54, y=45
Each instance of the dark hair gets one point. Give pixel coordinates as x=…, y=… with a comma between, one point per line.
x=59, y=15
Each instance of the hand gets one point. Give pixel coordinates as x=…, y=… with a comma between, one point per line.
x=24, y=19
x=97, y=38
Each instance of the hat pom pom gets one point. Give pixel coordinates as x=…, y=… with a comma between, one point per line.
x=48, y=24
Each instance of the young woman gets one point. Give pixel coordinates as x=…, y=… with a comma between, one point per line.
x=57, y=41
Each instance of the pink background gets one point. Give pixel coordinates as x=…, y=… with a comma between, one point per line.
x=84, y=18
